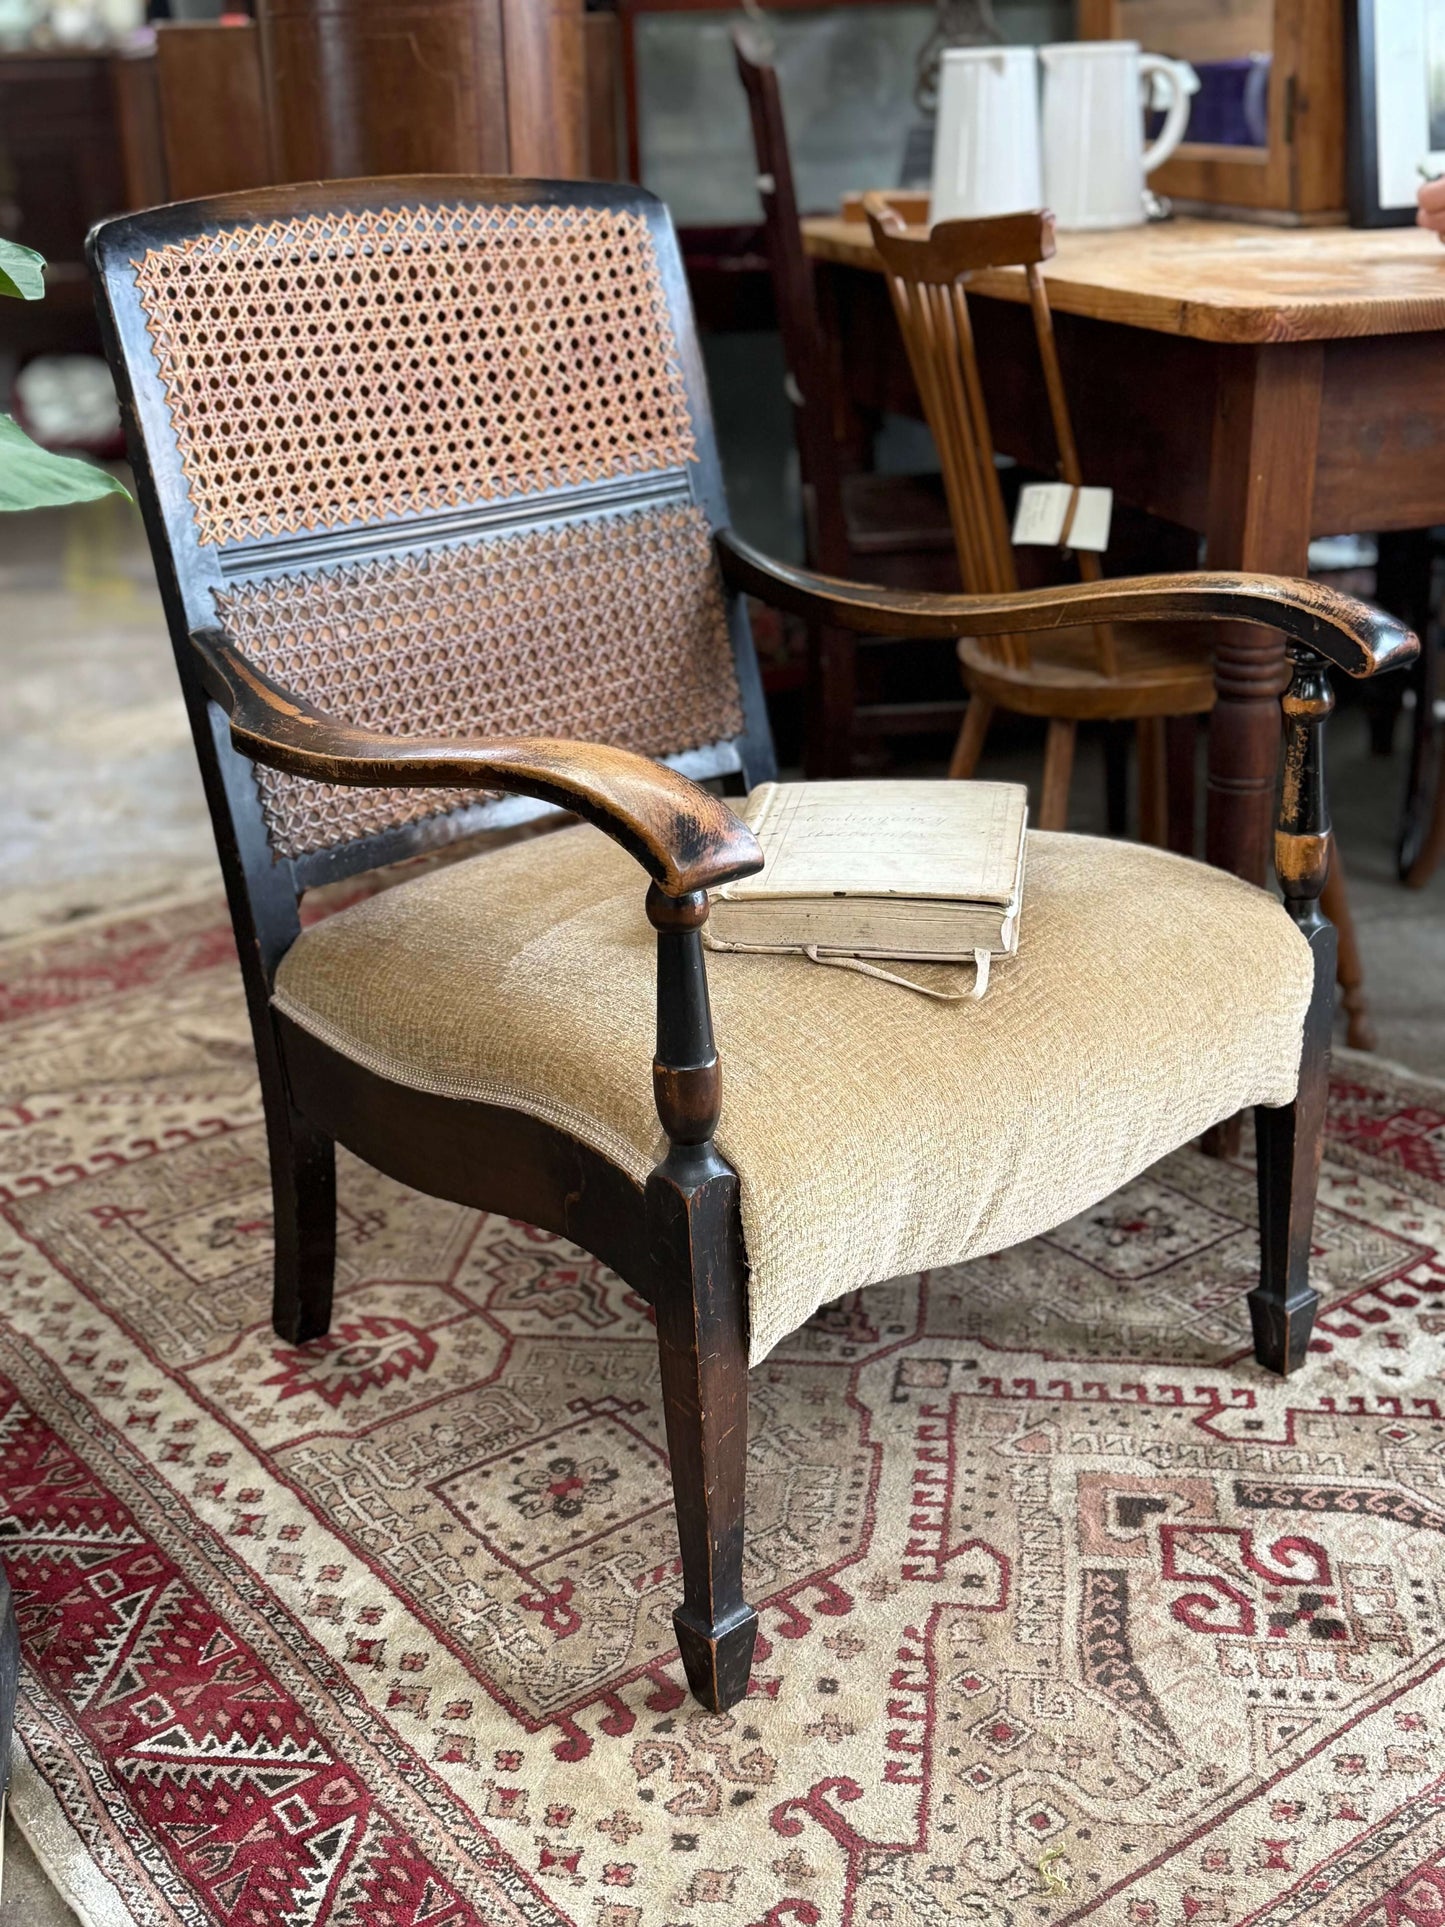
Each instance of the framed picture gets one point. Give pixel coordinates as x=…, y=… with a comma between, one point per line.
x=1396, y=75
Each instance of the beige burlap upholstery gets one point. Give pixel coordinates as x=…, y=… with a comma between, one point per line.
x=875, y=1131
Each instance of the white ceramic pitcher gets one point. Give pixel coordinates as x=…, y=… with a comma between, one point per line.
x=986, y=147
x=1095, y=160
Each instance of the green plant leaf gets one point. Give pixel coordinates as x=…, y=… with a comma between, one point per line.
x=32, y=478
x=21, y=271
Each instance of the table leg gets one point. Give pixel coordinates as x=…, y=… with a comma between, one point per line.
x=854, y=424
x=1261, y=496
x=829, y=720
x=1350, y=970
x=1153, y=782
x=1422, y=826
x=1181, y=734
x=1116, y=778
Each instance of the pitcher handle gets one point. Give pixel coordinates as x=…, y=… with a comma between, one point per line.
x=1176, y=118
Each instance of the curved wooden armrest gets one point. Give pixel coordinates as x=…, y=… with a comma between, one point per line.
x=683, y=837
x=1348, y=633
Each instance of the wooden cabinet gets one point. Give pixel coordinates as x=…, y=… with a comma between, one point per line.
x=424, y=87
x=89, y=133
x=345, y=87
x=1296, y=173
x=60, y=171
x=212, y=109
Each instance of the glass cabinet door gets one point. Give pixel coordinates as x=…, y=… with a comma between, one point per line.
x=1229, y=44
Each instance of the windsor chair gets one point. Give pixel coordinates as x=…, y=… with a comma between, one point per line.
x=1163, y=682
x=430, y=481
x=1078, y=674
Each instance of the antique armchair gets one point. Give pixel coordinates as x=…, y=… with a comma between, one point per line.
x=431, y=486
x=1139, y=675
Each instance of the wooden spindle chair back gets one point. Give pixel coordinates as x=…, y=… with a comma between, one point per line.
x=927, y=278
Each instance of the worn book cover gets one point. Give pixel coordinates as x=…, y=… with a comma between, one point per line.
x=929, y=871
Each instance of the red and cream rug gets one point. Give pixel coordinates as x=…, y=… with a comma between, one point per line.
x=1069, y=1613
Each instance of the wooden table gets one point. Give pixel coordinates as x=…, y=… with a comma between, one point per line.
x=1259, y=385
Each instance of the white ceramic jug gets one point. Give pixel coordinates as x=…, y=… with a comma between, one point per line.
x=1095, y=160
x=986, y=147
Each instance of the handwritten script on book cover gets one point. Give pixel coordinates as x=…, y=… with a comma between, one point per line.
x=890, y=839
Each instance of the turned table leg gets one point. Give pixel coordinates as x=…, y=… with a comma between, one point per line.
x=1261, y=500
x=1249, y=677
x=1261, y=504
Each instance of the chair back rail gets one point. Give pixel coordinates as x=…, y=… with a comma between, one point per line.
x=927, y=278
x=807, y=351
x=436, y=453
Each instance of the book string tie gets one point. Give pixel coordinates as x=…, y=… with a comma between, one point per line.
x=982, y=959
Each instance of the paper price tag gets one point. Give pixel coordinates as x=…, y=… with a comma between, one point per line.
x=1043, y=515
x=1090, y=528
x=1039, y=520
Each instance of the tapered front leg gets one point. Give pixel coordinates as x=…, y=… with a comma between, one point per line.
x=702, y=1347
x=1288, y=1142
x=700, y=1302
x=303, y=1201
x=1290, y=1139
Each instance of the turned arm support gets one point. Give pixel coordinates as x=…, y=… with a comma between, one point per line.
x=686, y=839
x=1354, y=637
x=1302, y=837
x=686, y=1075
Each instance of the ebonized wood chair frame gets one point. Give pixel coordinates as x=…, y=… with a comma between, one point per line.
x=678, y=1239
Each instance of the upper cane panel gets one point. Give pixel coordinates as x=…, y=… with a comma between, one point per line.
x=341, y=368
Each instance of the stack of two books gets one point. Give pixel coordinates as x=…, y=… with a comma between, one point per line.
x=855, y=873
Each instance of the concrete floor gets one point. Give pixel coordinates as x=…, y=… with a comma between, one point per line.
x=101, y=805
x=27, y=1898
x=101, y=810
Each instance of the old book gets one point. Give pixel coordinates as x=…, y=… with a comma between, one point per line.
x=926, y=872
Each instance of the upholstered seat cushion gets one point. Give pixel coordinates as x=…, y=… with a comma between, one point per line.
x=875, y=1131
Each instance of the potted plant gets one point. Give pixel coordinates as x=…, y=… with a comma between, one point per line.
x=31, y=478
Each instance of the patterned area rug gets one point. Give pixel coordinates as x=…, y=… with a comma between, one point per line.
x=1068, y=1612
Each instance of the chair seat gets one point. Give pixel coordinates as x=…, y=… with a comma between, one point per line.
x=887, y=514
x=1162, y=672
x=876, y=1132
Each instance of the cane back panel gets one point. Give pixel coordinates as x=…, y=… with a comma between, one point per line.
x=610, y=629
x=429, y=448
